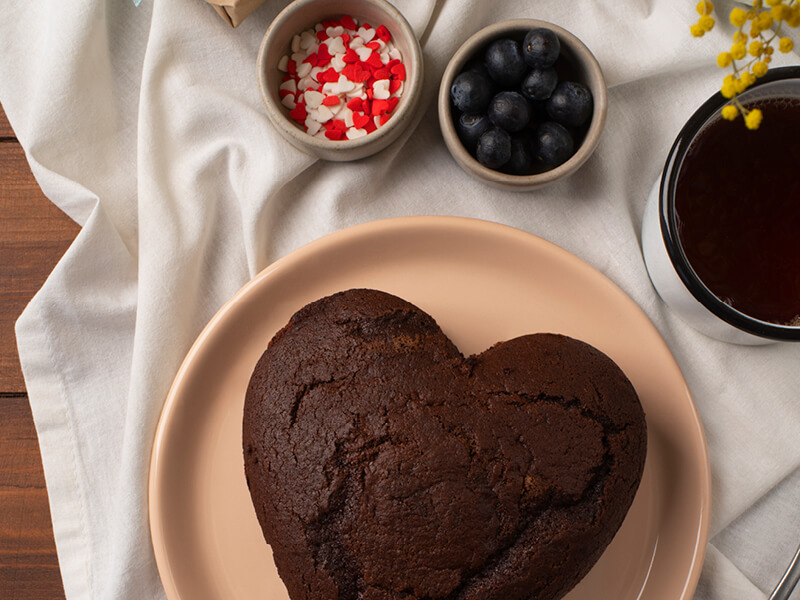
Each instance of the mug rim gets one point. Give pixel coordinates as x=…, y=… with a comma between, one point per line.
x=669, y=225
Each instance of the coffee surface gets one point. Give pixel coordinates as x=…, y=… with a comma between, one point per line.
x=737, y=202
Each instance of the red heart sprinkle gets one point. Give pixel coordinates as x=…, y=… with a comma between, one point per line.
x=323, y=55
x=360, y=120
x=370, y=127
x=370, y=93
x=312, y=59
x=284, y=93
x=338, y=124
x=393, y=103
x=329, y=75
x=299, y=114
x=350, y=57
x=345, y=38
x=393, y=62
x=330, y=100
x=383, y=33
x=383, y=73
x=291, y=66
x=348, y=23
x=356, y=72
x=399, y=71
x=373, y=45
x=394, y=85
x=322, y=35
x=383, y=118
x=379, y=106
x=375, y=61
x=355, y=104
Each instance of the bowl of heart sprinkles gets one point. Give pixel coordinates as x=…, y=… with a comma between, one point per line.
x=340, y=79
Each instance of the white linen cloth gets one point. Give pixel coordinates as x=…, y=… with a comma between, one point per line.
x=145, y=126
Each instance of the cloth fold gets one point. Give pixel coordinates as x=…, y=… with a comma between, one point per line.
x=146, y=127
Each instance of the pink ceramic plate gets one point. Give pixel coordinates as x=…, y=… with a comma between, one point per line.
x=482, y=282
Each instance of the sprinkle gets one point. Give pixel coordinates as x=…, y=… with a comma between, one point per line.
x=356, y=72
x=399, y=71
x=366, y=33
x=363, y=53
x=360, y=120
x=375, y=61
x=313, y=99
x=380, y=89
x=289, y=101
x=298, y=113
x=331, y=100
x=283, y=64
x=348, y=22
x=383, y=34
x=354, y=133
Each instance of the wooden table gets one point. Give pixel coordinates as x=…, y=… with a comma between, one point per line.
x=34, y=234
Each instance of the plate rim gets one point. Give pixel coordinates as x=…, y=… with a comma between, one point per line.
x=371, y=228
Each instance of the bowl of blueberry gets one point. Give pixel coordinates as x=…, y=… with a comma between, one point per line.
x=522, y=104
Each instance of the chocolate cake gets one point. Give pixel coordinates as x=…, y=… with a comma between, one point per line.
x=384, y=465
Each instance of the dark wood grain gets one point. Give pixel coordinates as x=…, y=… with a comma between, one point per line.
x=34, y=234
x=28, y=562
x=5, y=127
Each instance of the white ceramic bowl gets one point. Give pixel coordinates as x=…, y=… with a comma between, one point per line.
x=304, y=14
x=669, y=269
x=584, y=68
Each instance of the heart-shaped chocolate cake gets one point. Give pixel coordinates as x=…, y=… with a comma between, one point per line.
x=384, y=465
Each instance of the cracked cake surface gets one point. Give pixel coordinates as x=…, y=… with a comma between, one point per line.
x=385, y=465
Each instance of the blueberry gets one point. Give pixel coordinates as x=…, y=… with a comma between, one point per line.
x=476, y=65
x=570, y=104
x=503, y=60
x=539, y=84
x=471, y=92
x=494, y=148
x=554, y=144
x=510, y=111
x=470, y=128
x=541, y=48
x=522, y=154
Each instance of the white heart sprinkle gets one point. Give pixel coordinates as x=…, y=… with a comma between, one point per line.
x=366, y=34
x=319, y=27
x=307, y=39
x=399, y=91
x=346, y=115
x=363, y=53
x=343, y=86
x=315, y=72
x=380, y=89
x=305, y=83
x=394, y=54
x=299, y=57
x=356, y=42
x=313, y=99
x=312, y=126
x=385, y=57
x=303, y=70
x=296, y=43
x=290, y=85
x=337, y=62
x=353, y=133
x=288, y=101
x=335, y=45
x=335, y=31
x=358, y=90
x=283, y=64
x=321, y=114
